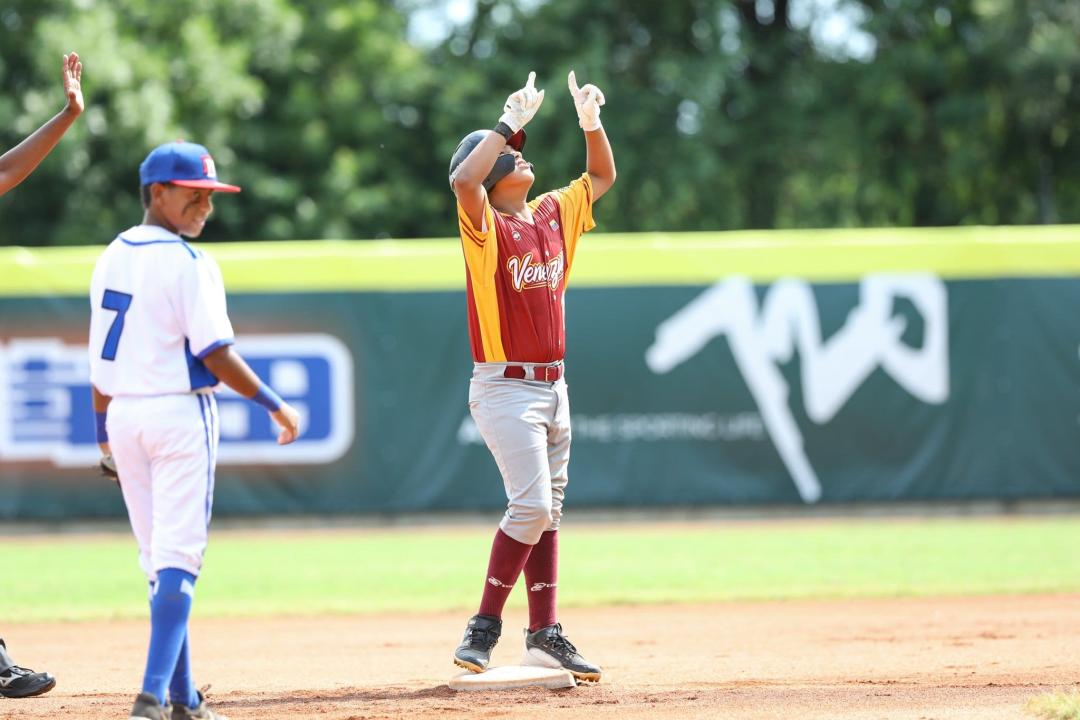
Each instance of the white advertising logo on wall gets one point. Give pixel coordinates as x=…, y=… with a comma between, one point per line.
x=46, y=413
x=787, y=321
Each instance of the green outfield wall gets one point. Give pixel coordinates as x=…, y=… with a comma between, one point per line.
x=720, y=368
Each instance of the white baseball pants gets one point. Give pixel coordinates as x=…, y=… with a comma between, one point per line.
x=165, y=448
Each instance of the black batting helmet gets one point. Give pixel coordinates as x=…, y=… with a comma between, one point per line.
x=503, y=166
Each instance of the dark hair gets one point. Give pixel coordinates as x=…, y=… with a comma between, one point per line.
x=144, y=195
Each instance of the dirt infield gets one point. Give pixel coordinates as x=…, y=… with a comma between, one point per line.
x=939, y=659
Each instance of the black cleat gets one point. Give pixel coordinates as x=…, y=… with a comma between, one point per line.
x=147, y=707
x=474, y=652
x=199, y=712
x=20, y=682
x=548, y=647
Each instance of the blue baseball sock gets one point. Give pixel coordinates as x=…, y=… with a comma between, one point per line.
x=182, y=686
x=169, y=610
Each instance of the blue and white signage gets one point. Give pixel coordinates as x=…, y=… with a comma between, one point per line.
x=46, y=415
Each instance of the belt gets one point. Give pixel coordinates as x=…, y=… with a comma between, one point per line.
x=543, y=373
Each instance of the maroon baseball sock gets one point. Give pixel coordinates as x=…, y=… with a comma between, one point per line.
x=541, y=573
x=504, y=566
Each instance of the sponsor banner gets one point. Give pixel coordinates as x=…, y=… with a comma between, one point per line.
x=894, y=386
x=46, y=413
x=785, y=326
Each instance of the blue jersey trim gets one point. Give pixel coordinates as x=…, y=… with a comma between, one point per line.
x=214, y=346
x=211, y=404
x=198, y=373
x=205, y=408
x=137, y=243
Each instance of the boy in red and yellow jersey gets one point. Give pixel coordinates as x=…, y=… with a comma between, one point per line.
x=518, y=255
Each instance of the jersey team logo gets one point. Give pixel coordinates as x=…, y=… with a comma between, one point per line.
x=46, y=415
x=525, y=273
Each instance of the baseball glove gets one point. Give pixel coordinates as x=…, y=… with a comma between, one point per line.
x=107, y=467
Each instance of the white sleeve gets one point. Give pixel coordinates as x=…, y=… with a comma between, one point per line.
x=203, y=317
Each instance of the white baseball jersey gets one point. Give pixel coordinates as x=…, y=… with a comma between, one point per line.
x=157, y=309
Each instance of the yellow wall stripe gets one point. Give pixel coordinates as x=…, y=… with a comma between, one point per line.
x=602, y=260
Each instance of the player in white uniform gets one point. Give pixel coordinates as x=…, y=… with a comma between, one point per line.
x=15, y=166
x=159, y=343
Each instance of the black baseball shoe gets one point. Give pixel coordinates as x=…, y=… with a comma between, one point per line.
x=548, y=647
x=481, y=634
x=199, y=712
x=20, y=682
x=147, y=707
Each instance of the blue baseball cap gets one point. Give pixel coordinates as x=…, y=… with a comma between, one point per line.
x=182, y=163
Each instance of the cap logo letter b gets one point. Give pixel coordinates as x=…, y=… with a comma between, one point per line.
x=208, y=167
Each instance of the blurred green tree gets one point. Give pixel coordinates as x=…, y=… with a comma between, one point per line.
x=669, y=114
x=967, y=113
x=743, y=114
x=309, y=105
x=722, y=113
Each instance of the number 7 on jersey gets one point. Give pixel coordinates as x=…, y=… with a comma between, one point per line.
x=120, y=302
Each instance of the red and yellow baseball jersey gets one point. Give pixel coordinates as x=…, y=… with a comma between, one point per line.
x=516, y=275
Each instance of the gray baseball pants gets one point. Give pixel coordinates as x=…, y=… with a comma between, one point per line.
x=526, y=425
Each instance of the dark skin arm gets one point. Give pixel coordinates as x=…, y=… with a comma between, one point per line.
x=17, y=163
x=599, y=162
x=469, y=180
x=231, y=369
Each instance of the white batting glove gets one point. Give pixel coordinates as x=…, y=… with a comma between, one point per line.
x=587, y=100
x=522, y=105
